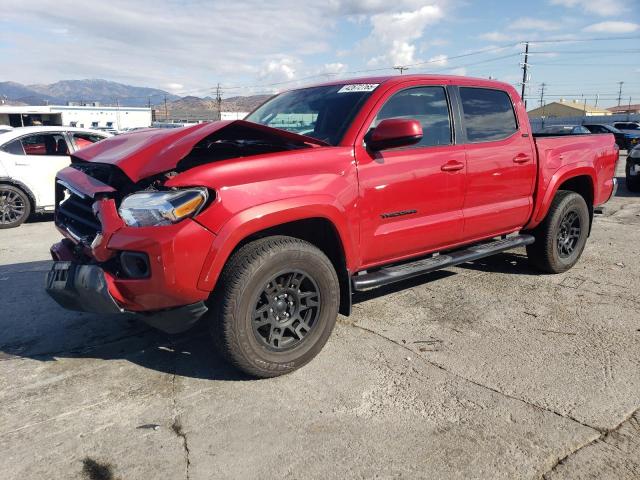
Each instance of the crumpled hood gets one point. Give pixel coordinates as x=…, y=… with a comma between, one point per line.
x=144, y=153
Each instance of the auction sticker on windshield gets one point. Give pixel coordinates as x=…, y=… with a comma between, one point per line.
x=358, y=87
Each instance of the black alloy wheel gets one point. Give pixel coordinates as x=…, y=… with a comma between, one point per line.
x=14, y=206
x=286, y=310
x=568, y=234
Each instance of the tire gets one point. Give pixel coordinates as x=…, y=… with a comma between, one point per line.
x=633, y=182
x=15, y=206
x=558, y=245
x=254, y=326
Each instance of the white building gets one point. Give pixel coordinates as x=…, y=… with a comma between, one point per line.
x=75, y=116
x=233, y=115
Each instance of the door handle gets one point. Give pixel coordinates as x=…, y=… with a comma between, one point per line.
x=452, y=166
x=521, y=158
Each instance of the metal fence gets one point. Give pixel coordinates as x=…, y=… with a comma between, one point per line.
x=538, y=123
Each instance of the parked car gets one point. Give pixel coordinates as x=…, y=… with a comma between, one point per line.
x=624, y=140
x=628, y=127
x=265, y=232
x=26, y=177
x=563, y=130
x=632, y=170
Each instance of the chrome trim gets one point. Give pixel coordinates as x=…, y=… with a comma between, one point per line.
x=72, y=189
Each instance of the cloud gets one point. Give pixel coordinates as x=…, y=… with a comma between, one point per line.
x=458, y=71
x=603, y=8
x=396, y=32
x=278, y=70
x=528, y=23
x=612, y=27
x=174, y=87
x=438, y=61
x=156, y=42
x=494, y=37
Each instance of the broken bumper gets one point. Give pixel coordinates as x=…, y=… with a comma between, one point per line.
x=80, y=287
x=85, y=288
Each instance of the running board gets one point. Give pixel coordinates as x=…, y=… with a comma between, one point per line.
x=397, y=273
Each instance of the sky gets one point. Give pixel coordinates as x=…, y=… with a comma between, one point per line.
x=579, y=48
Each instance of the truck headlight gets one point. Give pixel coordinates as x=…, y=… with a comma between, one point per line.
x=147, y=209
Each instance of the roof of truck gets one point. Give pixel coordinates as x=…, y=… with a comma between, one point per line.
x=395, y=79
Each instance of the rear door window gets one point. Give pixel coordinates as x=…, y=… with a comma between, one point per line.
x=50, y=144
x=429, y=106
x=14, y=148
x=488, y=114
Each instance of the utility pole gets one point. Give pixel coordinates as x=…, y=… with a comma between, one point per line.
x=542, y=85
x=401, y=68
x=597, y=98
x=620, y=93
x=219, y=101
x=525, y=67
x=117, y=114
x=149, y=101
x=166, y=113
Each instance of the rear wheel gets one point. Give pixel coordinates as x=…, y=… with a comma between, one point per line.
x=562, y=235
x=632, y=181
x=275, y=306
x=15, y=207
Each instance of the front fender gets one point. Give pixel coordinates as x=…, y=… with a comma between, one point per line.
x=268, y=215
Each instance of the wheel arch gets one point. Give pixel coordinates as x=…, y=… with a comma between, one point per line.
x=579, y=180
x=18, y=184
x=321, y=225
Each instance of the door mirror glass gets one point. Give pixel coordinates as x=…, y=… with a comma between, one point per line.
x=394, y=132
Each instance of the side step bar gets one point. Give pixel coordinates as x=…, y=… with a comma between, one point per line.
x=397, y=273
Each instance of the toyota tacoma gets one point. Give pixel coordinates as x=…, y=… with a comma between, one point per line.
x=264, y=227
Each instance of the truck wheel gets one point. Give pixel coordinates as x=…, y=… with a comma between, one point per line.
x=275, y=306
x=633, y=182
x=562, y=235
x=15, y=207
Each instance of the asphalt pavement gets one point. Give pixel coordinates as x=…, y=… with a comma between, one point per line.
x=488, y=370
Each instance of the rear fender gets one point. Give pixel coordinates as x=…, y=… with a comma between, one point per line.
x=269, y=215
x=565, y=173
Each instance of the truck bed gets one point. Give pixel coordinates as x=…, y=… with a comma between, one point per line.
x=592, y=155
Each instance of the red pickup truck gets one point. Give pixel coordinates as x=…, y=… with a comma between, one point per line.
x=265, y=226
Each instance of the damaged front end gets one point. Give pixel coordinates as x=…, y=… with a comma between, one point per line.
x=133, y=244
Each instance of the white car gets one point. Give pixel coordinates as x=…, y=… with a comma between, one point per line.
x=30, y=157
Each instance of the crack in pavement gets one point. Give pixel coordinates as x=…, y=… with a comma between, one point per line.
x=602, y=433
x=457, y=375
x=176, y=426
x=602, y=437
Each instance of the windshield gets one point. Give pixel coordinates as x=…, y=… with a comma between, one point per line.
x=323, y=113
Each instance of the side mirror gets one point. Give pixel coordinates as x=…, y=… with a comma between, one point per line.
x=394, y=132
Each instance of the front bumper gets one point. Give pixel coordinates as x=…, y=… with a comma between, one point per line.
x=85, y=288
x=80, y=287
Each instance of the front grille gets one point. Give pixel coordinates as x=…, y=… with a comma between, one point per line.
x=74, y=213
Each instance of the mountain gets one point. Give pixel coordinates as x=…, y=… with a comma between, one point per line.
x=90, y=90
x=17, y=93
x=231, y=104
x=243, y=104
x=108, y=93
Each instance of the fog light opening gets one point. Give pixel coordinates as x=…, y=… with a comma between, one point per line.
x=135, y=264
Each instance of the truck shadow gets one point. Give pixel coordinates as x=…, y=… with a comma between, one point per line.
x=33, y=326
